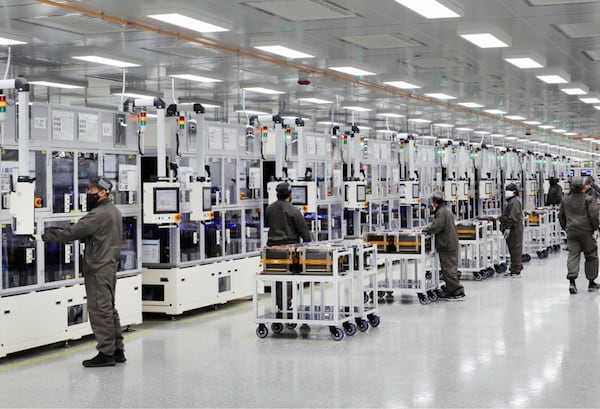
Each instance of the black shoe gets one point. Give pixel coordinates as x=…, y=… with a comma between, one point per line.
x=593, y=286
x=572, y=287
x=453, y=297
x=514, y=274
x=100, y=360
x=120, y=356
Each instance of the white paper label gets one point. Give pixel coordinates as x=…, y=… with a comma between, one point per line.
x=40, y=123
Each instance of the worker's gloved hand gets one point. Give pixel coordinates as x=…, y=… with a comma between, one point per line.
x=506, y=233
x=595, y=235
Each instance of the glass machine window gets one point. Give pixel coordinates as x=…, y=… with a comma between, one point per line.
x=87, y=167
x=59, y=258
x=129, y=245
x=62, y=182
x=18, y=259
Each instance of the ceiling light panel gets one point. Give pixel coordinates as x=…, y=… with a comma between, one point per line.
x=546, y=127
x=590, y=99
x=552, y=76
x=195, y=77
x=485, y=36
x=356, y=108
x=495, y=111
x=527, y=60
x=284, y=51
x=402, y=84
x=314, y=100
x=12, y=39
x=190, y=23
x=579, y=30
x=64, y=84
x=263, y=90
x=433, y=9
x=352, y=70
x=382, y=41
x=302, y=10
x=515, y=117
x=575, y=88
x=532, y=122
x=470, y=104
x=102, y=59
x=440, y=95
x=389, y=115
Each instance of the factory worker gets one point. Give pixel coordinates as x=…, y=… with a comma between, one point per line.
x=555, y=193
x=511, y=225
x=286, y=226
x=578, y=216
x=446, y=244
x=101, y=229
x=592, y=188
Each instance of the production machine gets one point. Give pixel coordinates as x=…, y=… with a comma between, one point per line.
x=48, y=155
x=488, y=181
x=456, y=168
x=202, y=219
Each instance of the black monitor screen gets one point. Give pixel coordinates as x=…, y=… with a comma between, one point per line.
x=206, y=198
x=166, y=200
x=571, y=172
x=453, y=189
x=361, y=193
x=415, y=192
x=300, y=195
x=586, y=172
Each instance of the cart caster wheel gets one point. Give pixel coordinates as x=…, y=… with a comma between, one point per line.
x=497, y=268
x=557, y=247
x=432, y=294
x=336, y=333
x=291, y=326
x=362, y=325
x=375, y=320
x=304, y=328
x=423, y=299
x=380, y=294
x=504, y=267
x=491, y=272
x=550, y=249
x=477, y=276
x=526, y=258
x=262, y=331
x=276, y=327
x=350, y=328
x=545, y=254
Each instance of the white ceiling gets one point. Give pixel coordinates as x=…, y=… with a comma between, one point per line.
x=379, y=35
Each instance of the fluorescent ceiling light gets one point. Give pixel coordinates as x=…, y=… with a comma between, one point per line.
x=470, y=104
x=590, y=100
x=584, y=139
x=433, y=8
x=113, y=62
x=130, y=94
x=330, y=123
x=384, y=130
x=481, y=132
x=525, y=60
x=597, y=107
x=117, y=90
x=532, y=122
x=59, y=84
x=510, y=138
x=484, y=36
x=495, y=111
x=283, y=51
x=352, y=70
x=553, y=76
x=419, y=120
x=443, y=125
x=187, y=22
x=356, y=108
x=11, y=39
x=464, y=128
x=515, y=117
x=402, y=84
x=390, y=115
x=522, y=140
x=194, y=77
x=315, y=100
x=440, y=95
x=546, y=127
x=251, y=110
x=263, y=90
x=206, y=103
x=575, y=88
x=293, y=116
x=559, y=130
x=497, y=135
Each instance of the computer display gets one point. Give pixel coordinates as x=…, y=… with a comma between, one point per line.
x=166, y=200
x=571, y=172
x=361, y=193
x=453, y=189
x=586, y=172
x=488, y=188
x=402, y=191
x=415, y=191
x=300, y=195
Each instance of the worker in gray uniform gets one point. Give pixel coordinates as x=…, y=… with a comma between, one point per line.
x=286, y=226
x=446, y=244
x=592, y=188
x=555, y=193
x=511, y=225
x=578, y=216
x=101, y=230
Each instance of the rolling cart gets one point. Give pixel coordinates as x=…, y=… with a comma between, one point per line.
x=476, y=240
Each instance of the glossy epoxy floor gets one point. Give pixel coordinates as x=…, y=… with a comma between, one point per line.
x=513, y=343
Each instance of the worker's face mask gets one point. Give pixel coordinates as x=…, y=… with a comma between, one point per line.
x=509, y=193
x=92, y=200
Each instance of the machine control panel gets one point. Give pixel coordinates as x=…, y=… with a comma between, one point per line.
x=304, y=195
x=161, y=203
x=409, y=192
x=355, y=195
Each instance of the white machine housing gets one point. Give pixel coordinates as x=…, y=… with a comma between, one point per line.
x=161, y=203
x=201, y=201
x=409, y=192
x=456, y=190
x=355, y=195
x=486, y=189
x=22, y=207
x=304, y=195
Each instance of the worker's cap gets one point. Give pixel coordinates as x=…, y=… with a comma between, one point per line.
x=589, y=180
x=552, y=179
x=437, y=197
x=283, y=189
x=513, y=187
x=577, y=182
x=101, y=183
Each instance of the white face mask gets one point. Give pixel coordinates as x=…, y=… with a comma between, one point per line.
x=509, y=193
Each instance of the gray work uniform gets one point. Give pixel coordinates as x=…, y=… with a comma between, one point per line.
x=101, y=230
x=512, y=218
x=286, y=226
x=555, y=195
x=578, y=216
x=446, y=244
